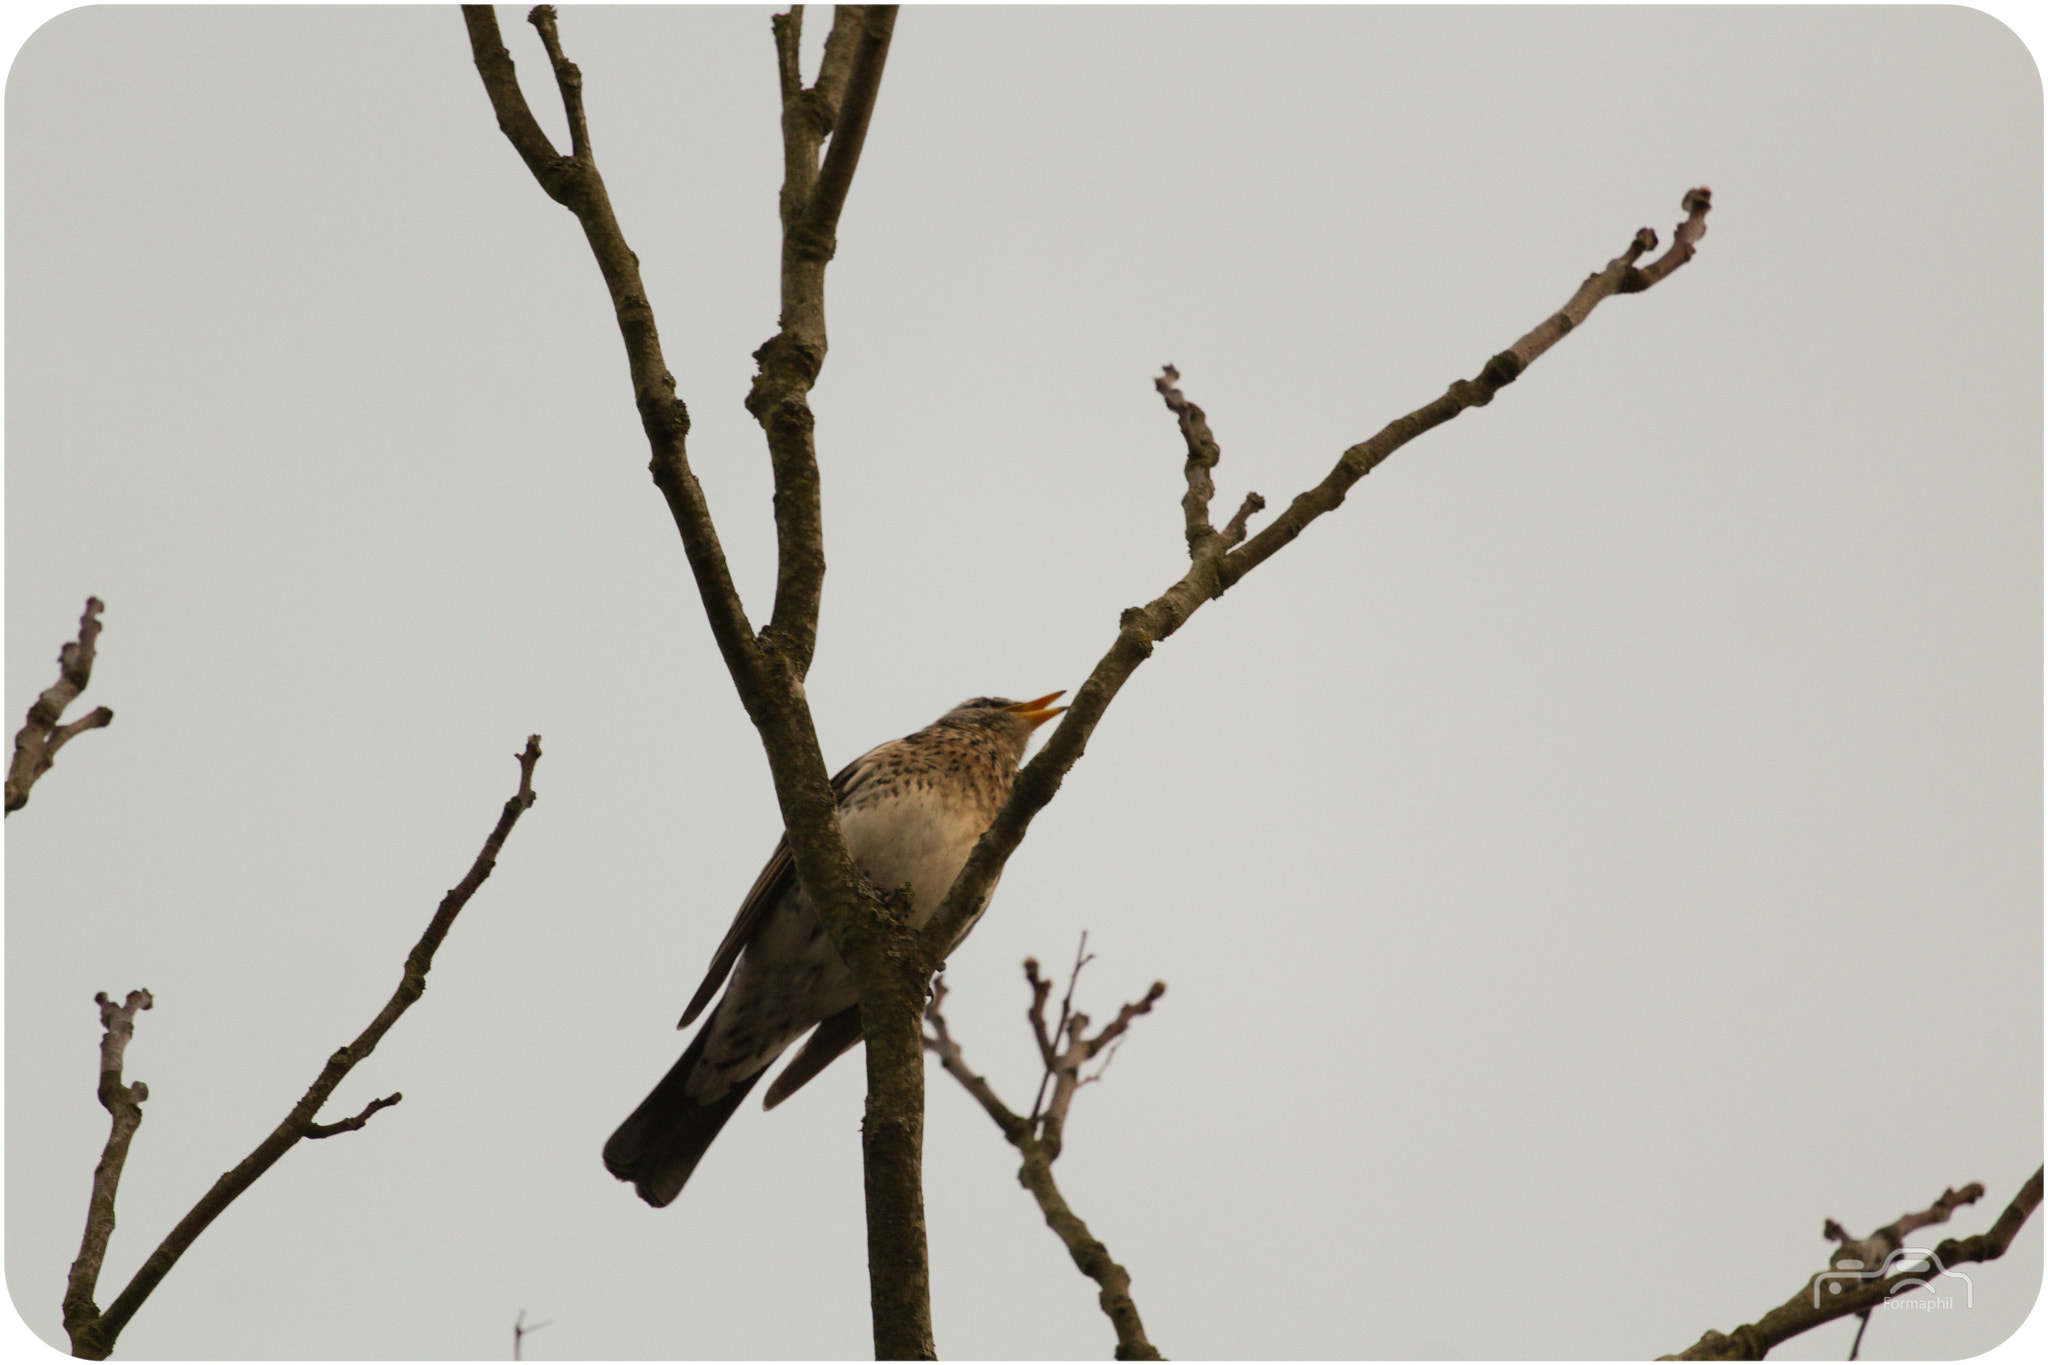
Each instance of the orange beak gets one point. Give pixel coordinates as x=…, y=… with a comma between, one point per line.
x=1037, y=712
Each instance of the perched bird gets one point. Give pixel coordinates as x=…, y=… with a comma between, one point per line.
x=911, y=811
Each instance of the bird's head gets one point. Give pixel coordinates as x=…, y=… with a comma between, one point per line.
x=1014, y=719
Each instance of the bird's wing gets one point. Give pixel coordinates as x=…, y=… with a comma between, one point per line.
x=828, y=1042
x=776, y=879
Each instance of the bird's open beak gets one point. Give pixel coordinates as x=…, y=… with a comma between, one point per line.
x=1037, y=712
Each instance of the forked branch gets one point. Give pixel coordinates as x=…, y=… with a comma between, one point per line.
x=575, y=182
x=837, y=108
x=1214, y=572
x=768, y=669
x=93, y=1332
x=1864, y=1273
x=1064, y=1049
x=37, y=742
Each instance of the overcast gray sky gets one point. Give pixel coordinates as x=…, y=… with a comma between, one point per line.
x=1605, y=848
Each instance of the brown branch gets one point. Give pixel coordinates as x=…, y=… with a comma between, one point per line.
x=1862, y=1325
x=1070, y=1023
x=838, y=107
x=568, y=80
x=768, y=669
x=515, y=119
x=575, y=183
x=1065, y=1068
x=1684, y=241
x=1116, y=1027
x=1855, y=1253
x=93, y=1333
x=1141, y=628
x=836, y=67
x=1234, y=529
x=1037, y=1138
x=1089, y=1255
x=1853, y=1286
x=1040, y=989
x=769, y=688
x=521, y=1330
x=1203, y=454
x=880, y=952
x=123, y=1104
x=940, y=1040
x=354, y=1125
x=37, y=743
x=863, y=82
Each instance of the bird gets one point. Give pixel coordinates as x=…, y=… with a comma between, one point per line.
x=911, y=811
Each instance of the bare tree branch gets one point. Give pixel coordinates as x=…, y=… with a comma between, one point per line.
x=1853, y=1285
x=890, y=963
x=941, y=1042
x=93, y=1333
x=863, y=81
x=1038, y=1138
x=1872, y=1250
x=1203, y=455
x=521, y=1330
x=790, y=361
x=1234, y=529
x=37, y=742
x=768, y=670
x=568, y=81
x=354, y=1125
x=767, y=674
x=1211, y=574
x=1040, y=990
x=123, y=1104
x=575, y=183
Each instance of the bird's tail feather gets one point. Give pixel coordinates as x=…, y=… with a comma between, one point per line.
x=661, y=1142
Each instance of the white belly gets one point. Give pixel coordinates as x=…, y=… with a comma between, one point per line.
x=914, y=839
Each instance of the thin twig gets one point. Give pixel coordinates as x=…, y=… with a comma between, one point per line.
x=521, y=1331
x=1140, y=629
x=37, y=742
x=1233, y=532
x=1203, y=454
x=1862, y=1324
x=1873, y=1249
x=1082, y=958
x=1037, y=1138
x=1850, y=1286
x=940, y=1041
x=93, y=1333
x=568, y=80
x=354, y=1125
x=1040, y=989
x=1114, y=1030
